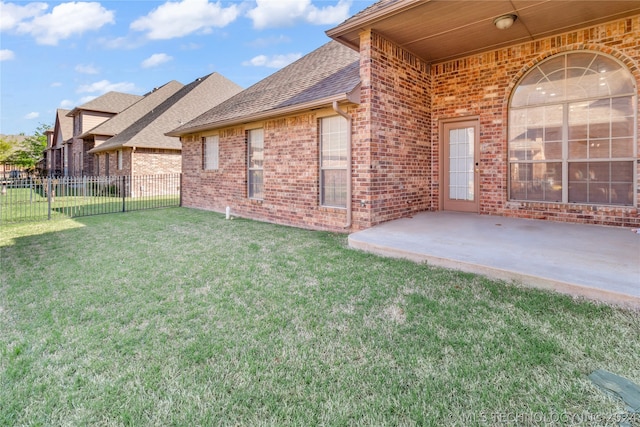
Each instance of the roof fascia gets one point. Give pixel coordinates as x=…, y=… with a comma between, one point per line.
x=350, y=96
x=367, y=20
x=100, y=148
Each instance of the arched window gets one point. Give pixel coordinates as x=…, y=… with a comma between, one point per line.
x=572, y=132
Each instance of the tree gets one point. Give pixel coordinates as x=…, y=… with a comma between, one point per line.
x=31, y=150
x=6, y=148
x=9, y=144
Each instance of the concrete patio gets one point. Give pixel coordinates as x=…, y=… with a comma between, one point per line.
x=595, y=262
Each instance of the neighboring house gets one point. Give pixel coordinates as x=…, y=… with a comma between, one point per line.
x=86, y=117
x=55, y=154
x=108, y=165
x=470, y=106
x=142, y=148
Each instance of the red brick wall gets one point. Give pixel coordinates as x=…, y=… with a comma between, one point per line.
x=291, y=175
x=480, y=86
x=149, y=161
x=392, y=147
x=146, y=161
x=113, y=163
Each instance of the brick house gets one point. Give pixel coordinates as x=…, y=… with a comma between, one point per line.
x=496, y=108
x=57, y=138
x=141, y=147
x=102, y=133
x=86, y=117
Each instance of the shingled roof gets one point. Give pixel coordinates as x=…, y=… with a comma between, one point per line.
x=188, y=102
x=64, y=125
x=110, y=102
x=135, y=112
x=330, y=72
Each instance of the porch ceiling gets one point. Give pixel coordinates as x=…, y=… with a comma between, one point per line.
x=438, y=30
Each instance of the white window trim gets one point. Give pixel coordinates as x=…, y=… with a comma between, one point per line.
x=251, y=169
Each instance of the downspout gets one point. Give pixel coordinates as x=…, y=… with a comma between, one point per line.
x=349, y=167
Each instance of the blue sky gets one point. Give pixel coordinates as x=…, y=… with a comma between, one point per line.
x=63, y=54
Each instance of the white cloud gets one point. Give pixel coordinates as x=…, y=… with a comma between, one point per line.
x=12, y=14
x=281, y=13
x=155, y=60
x=330, y=14
x=56, y=84
x=32, y=115
x=274, y=61
x=104, y=86
x=6, y=55
x=86, y=69
x=67, y=104
x=172, y=19
x=64, y=21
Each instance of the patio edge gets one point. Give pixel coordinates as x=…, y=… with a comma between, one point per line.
x=527, y=280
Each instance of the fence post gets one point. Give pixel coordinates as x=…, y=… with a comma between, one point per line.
x=180, y=189
x=124, y=192
x=49, y=197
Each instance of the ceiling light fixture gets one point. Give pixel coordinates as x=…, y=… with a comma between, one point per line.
x=505, y=21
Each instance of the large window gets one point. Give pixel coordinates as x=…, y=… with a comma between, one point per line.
x=255, y=160
x=210, y=146
x=333, y=161
x=572, y=132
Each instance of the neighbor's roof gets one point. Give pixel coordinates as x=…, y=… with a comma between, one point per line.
x=64, y=126
x=188, y=102
x=110, y=102
x=328, y=73
x=135, y=112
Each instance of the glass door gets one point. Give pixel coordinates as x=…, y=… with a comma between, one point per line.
x=460, y=166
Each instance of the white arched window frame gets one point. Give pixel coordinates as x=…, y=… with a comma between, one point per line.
x=573, y=132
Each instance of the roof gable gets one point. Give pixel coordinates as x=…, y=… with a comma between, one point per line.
x=63, y=128
x=330, y=70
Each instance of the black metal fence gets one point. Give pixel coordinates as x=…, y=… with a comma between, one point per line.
x=37, y=199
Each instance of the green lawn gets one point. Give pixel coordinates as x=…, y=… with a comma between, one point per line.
x=30, y=204
x=180, y=317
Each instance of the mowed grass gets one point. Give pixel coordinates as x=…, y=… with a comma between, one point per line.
x=26, y=204
x=180, y=317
